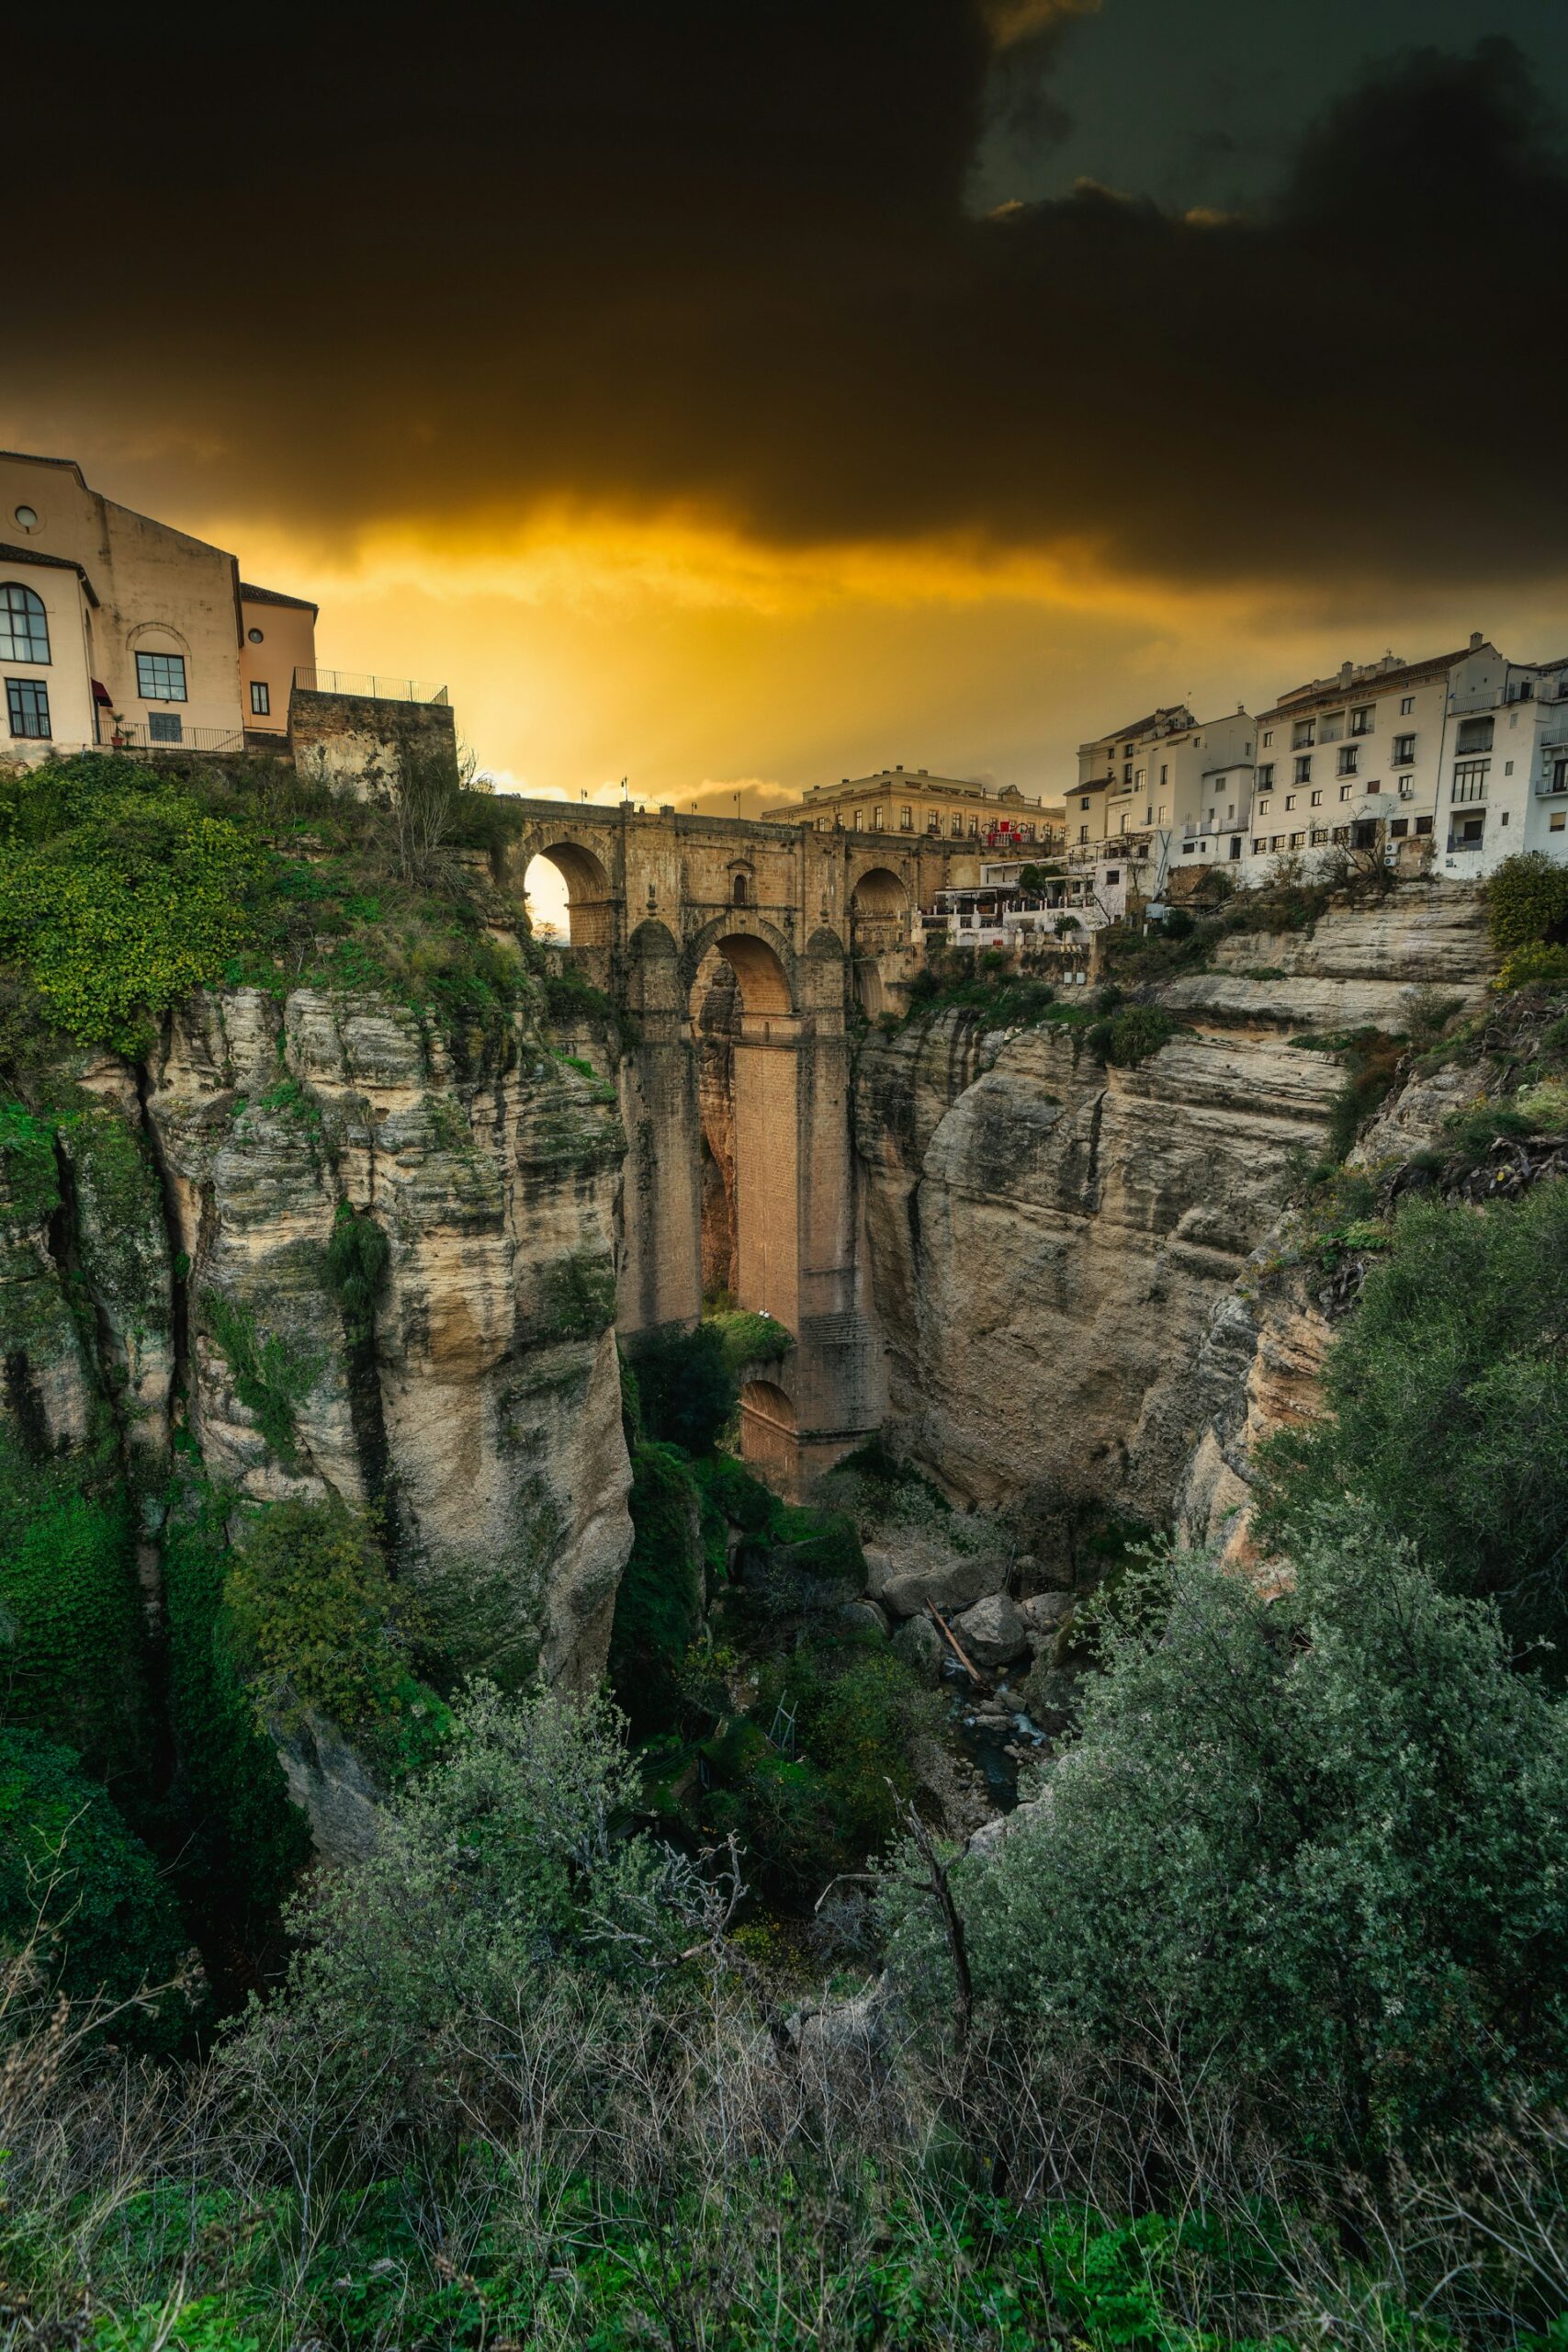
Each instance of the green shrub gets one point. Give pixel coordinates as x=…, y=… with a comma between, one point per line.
x=272, y=1376
x=1527, y=900
x=1131, y=1035
x=318, y=1624
x=687, y=1390
x=241, y=1842
x=1446, y=1401
x=659, y=1604
x=749, y=1338
x=1319, y=1846
x=117, y=894
x=493, y=1869
x=359, y=1256
x=1534, y=966
x=70, y=1865
x=71, y=1631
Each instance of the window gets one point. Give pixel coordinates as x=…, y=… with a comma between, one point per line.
x=1398, y=830
x=26, y=699
x=1163, y=775
x=1263, y=807
x=1148, y=816
x=906, y=820
x=1403, y=751
x=1344, y=792
x=1164, y=810
x=1267, y=737
x=1258, y=845
x=1127, y=774
x=160, y=677
x=1476, y=734
x=1113, y=876
x=1407, y=704
x=1317, y=801
x=1466, y=833
x=933, y=821
x=1507, y=767
x=956, y=826
x=1332, y=727
x=1083, y=833
x=1303, y=768
x=1276, y=841
x=1083, y=804
x=1302, y=735
x=1557, y=820
x=1350, y=758
x=1469, y=780
x=860, y=821
x=1423, y=824
x=1290, y=800
x=1560, y=775
x=737, y=894
x=1298, y=840
x=254, y=635
x=879, y=819
x=1362, y=720
x=1266, y=775
x=1319, y=835
x=24, y=625
x=261, y=699
x=163, y=727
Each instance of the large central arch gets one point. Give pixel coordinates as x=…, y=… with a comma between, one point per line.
x=747, y=1040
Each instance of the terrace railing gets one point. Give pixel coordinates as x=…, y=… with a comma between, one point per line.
x=369, y=683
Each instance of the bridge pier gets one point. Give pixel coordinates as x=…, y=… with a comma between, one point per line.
x=654, y=899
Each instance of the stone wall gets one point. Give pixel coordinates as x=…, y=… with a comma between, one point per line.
x=359, y=743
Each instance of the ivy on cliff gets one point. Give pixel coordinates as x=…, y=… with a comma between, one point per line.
x=70, y=1627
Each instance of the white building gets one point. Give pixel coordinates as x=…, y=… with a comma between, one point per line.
x=1503, y=785
x=118, y=629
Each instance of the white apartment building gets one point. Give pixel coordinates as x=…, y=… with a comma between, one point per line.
x=1503, y=782
x=115, y=630
x=1352, y=761
x=1451, y=764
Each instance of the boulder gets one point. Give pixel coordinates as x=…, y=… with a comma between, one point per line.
x=863, y=1617
x=922, y=1647
x=907, y=1583
x=1045, y=1610
x=994, y=1631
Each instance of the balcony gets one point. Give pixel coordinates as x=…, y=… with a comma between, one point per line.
x=132, y=735
x=368, y=685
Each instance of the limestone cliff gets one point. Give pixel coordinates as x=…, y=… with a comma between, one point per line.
x=184, y=1278
x=1060, y=1250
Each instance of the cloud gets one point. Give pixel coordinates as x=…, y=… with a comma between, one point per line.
x=708, y=271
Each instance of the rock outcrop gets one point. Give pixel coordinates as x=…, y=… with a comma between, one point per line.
x=1059, y=1250
x=188, y=1276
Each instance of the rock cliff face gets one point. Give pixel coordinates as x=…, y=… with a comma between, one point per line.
x=1059, y=1250
x=478, y=1400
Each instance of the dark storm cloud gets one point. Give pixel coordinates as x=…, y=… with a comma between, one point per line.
x=440, y=267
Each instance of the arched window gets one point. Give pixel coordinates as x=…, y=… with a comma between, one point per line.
x=737, y=894
x=24, y=624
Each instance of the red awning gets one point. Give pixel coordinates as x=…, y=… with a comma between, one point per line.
x=101, y=694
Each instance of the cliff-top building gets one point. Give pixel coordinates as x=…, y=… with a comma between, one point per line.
x=911, y=801
x=118, y=629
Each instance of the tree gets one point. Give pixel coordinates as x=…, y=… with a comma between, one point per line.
x=1320, y=1845
x=1446, y=1395
x=78, y=1887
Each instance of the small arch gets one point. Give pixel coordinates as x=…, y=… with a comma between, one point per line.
x=768, y=1428
x=879, y=893
x=739, y=891
x=589, y=897
x=24, y=624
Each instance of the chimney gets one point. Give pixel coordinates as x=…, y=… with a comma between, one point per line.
x=1346, y=671
x=1476, y=640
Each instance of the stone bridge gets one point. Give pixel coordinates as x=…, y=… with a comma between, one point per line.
x=737, y=950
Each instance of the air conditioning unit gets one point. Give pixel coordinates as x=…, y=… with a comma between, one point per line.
x=1407, y=787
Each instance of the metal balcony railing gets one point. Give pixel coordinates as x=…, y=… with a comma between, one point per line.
x=132, y=735
x=369, y=683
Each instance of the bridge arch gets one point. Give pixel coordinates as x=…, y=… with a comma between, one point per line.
x=762, y=959
x=590, y=894
x=878, y=893
x=768, y=1428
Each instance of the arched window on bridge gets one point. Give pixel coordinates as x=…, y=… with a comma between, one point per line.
x=739, y=896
